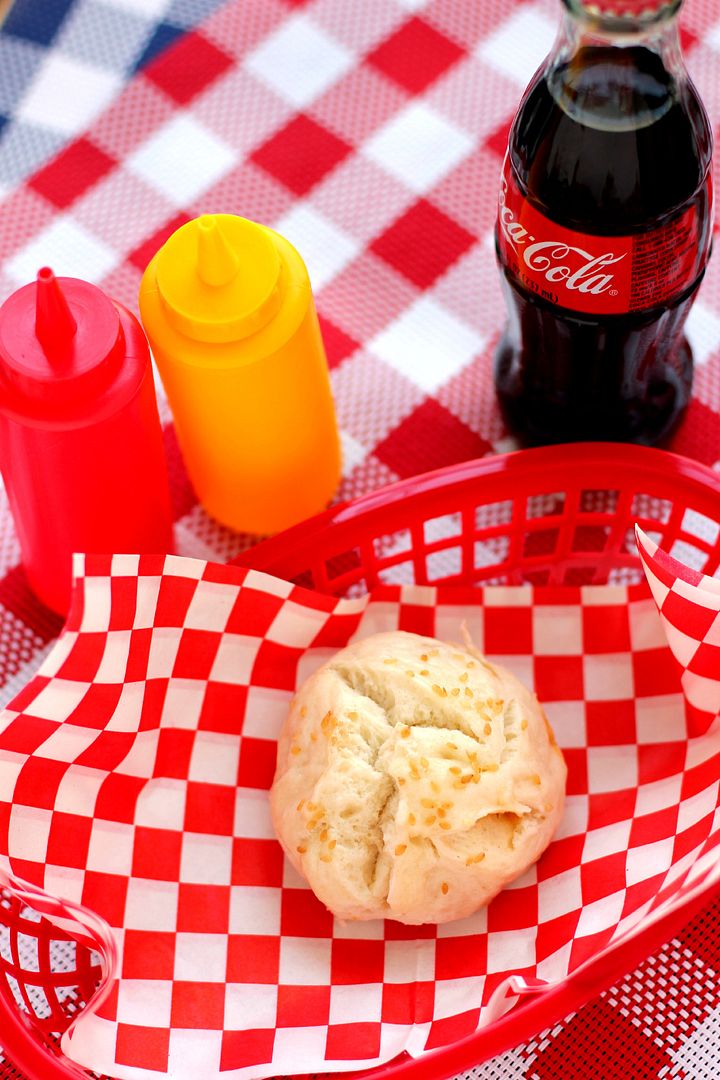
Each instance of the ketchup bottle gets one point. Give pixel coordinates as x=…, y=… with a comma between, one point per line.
x=81, y=449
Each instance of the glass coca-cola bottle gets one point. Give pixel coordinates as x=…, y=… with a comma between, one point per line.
x=604, y=230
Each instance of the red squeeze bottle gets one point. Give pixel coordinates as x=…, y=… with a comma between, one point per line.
x=81, y=449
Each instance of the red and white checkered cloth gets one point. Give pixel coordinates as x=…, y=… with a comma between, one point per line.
x=134, y=775
x=372, y=135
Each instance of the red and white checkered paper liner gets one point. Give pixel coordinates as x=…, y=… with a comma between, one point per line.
x=134, y=776
x=689, y=605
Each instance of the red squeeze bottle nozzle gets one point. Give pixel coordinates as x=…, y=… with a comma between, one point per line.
x=81, y=446
x=55, y=325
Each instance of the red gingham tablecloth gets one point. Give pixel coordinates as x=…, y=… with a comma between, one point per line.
x=371, y=135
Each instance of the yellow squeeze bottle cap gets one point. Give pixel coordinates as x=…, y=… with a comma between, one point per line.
x=220, y=278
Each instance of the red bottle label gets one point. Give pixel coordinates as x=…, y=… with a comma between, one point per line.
x=603, y=275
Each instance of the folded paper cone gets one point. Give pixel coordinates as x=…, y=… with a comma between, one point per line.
x=689, y=606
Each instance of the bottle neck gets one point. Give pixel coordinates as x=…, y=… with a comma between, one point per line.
x=616, y=74
x=624, y=16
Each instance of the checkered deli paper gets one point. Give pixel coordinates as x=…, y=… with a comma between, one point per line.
x=689, y=604
x=134, y=772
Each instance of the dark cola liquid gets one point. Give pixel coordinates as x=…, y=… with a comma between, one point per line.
x=626, y=149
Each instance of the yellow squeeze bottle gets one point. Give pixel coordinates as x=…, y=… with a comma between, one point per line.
x=228, y=309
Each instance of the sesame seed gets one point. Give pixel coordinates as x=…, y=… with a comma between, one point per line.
x=414, y=771
x=390, y=660
x=425, y=763
x=475, y=858
x=424, y=657
x=300, y=805
x=332, y=844
x=405, y=733
x=441, y=811
x=440, y=690
x=523, y=725
x=410, y=674
x=313, y=736
x=424, y=671
x=311, y=806
x=466, y=779
x=323, y=836
x=326, y=858
x=435, y=787
x=488, y=729
x=295, y=750
x=471, y=663
x=430, y=820
x=456, y=770
x=536, y=779
x=464, y=677
x=411, y=819
x=301, y=849
x=434, y=652
x=457, y=784
x=401, y=849
x=427, y=803
x=444, y=888
x=451, y=745
x=468, y=692
x=401, y=780
x=445, y=825
x=303, y=711
x=455, y=691
x=352, y=716
x=458, y=656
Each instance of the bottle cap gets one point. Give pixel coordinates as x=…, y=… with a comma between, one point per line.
x=636, y=12
x=220, y=278
x=56, y=338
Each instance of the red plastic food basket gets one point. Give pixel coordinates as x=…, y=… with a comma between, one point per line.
x=560, y=515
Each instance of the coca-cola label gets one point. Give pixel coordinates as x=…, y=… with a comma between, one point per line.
x=603, y=275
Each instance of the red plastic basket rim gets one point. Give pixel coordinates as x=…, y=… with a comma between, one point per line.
x=274, y=555
x=586, y=464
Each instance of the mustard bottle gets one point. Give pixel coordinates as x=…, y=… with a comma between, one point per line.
x=228, y=309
